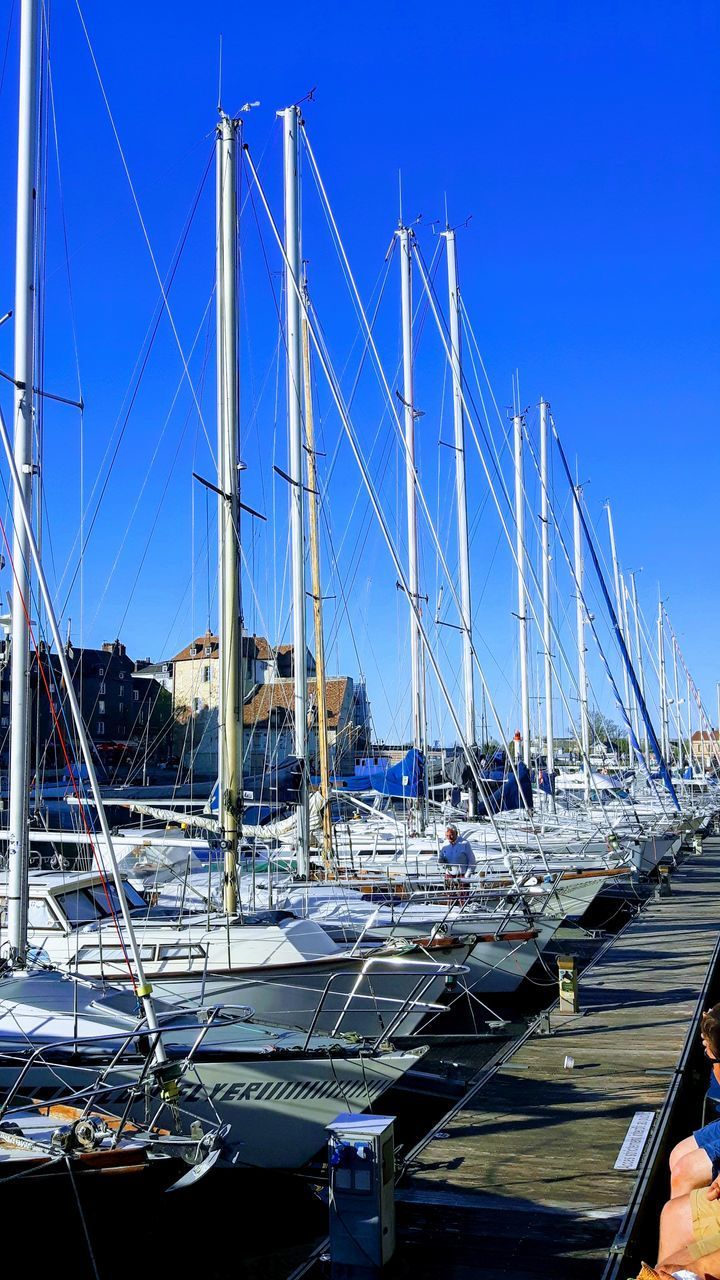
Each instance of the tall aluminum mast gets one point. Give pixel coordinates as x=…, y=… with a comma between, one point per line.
x=580, y=624
x=522, y=588
x=621, y=618
x=664, y=727
x=678, y=721
x=314, y=528
x=641, y=668
x=461, y=494
x=143, y=989
x=416, y=658
x=23, y=372
x=230, y=693
x=291, y=125
x=689, y=724
x=628, y=641
x=547, y=630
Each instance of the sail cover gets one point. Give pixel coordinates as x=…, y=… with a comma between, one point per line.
x=503, y=788
x=403, y=780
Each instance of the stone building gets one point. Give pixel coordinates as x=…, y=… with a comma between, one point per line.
x=706, y=747
x=268, y=725
x=124, y=716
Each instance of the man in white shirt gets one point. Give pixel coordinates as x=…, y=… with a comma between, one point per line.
x=458, y=861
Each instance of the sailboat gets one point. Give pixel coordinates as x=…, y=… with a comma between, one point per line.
x=273, y=1091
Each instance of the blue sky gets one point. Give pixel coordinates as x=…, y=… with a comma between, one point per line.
x=582, y=140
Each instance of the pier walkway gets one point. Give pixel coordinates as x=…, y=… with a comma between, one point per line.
x=519, y=1179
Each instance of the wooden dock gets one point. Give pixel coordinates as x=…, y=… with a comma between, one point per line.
x=519, y=1180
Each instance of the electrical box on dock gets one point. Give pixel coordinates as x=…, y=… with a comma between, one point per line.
x=361, y=1163
x=568, y=985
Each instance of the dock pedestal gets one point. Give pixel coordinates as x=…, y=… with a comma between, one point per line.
x=568, y=985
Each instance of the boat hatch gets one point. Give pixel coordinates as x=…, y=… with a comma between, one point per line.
x=97, y=902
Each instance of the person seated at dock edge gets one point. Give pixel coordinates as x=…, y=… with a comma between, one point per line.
x=695, y=1161
x=458, y=860
x=690, y=1221
x=689, y=1237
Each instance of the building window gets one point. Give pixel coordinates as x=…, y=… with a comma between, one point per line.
x=102, y=686
x=100, y=727
x=142, y=717
x=6, y=695
x=121, y=708
x=136, y=695
x=101, y=672
x=101, y=706
x=121, y=675
x=206, y=674
x=4, y=721
x=196, y=704
x=208, y=650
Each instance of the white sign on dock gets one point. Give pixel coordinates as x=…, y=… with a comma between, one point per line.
x=635, y=1139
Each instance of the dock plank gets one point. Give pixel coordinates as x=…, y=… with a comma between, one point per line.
x=530, y=1157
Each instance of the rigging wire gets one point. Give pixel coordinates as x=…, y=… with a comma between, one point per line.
x=138, y=375
x=371, y=488
x=387, y=534
x=163, y=291
x=58, y=726
x=467, y=401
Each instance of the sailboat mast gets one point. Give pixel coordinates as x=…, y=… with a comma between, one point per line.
x=620, y=615
x=641, y=668
x=291, y=124
x=143, y=988
x=678, y=722
x=417, y=682
x=522, y=589
x=689, y=724
x=628, y=642
x=580, y=624
x=664, y=727
x=228, y=413
x=23, y=372
x=461, y=494
x=547, y=633
x=313, y=524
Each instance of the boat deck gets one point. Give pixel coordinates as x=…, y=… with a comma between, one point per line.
x=519, y=1179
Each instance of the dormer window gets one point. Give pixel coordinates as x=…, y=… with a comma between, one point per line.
x=208, y=650
x=193, y=650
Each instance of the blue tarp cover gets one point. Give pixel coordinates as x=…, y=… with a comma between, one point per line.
x=403, y=780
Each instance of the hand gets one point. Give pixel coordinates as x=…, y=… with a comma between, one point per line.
x=713, y=1191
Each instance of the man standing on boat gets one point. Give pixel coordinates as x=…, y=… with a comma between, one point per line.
x=458, y=860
